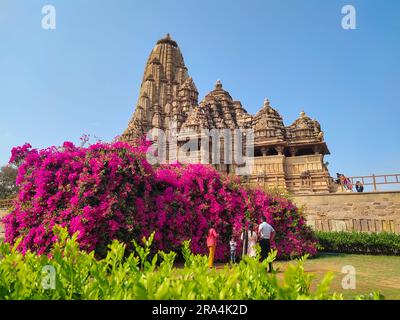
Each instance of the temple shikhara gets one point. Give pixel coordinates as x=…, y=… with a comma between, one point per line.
x=289, y=157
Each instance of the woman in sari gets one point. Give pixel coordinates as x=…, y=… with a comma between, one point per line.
x=251, y=241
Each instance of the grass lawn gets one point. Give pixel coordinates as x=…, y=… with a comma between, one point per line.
x=373, y=273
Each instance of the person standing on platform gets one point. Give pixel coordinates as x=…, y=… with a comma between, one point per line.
x=359, y=186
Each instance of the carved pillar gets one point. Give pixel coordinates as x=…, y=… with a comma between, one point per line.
x=264, y=151
x=292, y=151
x=280, y=149
x=317, y=149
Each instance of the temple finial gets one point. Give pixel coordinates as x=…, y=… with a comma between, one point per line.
x=167, y=40
x=218, y=84
x=266, y=102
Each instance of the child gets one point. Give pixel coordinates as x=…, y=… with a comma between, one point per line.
x=233, y=245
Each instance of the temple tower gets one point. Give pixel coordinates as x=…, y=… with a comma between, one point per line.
x=285, y=157
x=167, y=93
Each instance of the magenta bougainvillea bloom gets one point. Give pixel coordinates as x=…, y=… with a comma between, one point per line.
x=109, y=191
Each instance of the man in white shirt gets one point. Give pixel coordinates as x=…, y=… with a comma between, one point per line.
x=266, y=233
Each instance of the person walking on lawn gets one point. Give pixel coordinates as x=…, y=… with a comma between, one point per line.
x=266, y=233
x=211, y=244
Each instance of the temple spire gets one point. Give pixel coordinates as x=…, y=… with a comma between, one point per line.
x=166, y=90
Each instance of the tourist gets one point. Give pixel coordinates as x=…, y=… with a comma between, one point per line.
x=233, y=246
x=340, y=178
x=266, y=233
x=359, y=186
x=349, y=184
x=344, y=182
x=211, y=244
x=244, y=238
x=251, y=251
x=251, y=241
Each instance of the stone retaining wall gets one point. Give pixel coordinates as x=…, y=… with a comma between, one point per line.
x=369, y=212
x=3, y=212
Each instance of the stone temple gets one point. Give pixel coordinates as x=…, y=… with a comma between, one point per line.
x=286, y=157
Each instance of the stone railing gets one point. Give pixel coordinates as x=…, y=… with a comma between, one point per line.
x=375, y=181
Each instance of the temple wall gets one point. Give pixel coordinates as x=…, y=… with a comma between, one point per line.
x=367, y=212
x=285, y=172
x=299, y=164
x=269, y=165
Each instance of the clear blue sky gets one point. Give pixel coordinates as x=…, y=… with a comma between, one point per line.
x=84, y=77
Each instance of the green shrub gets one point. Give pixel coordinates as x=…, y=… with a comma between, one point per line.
x=79, y=275
x=359, y=242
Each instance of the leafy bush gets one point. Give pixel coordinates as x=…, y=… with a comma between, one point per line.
x=110, y=191
x=359, y=242
x=79, y=275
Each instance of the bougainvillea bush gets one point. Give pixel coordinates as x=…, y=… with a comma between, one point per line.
x=109, y=191
x=92, y=190
x=192, y=196
x=293, y=236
